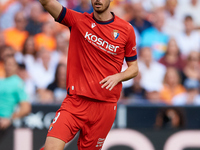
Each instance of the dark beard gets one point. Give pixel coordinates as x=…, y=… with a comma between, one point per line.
x=101, y=11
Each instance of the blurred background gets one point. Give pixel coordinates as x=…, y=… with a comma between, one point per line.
x=158, y=110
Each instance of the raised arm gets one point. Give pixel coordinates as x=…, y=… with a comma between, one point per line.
x=52, y=6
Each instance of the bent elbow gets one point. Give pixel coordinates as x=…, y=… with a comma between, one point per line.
x=136, y=72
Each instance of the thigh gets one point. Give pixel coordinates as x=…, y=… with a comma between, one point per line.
x=53, y=143
x=64, y=126
x=94, y=133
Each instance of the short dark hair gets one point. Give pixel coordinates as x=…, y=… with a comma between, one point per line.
x=22, y=66
x=188, y=18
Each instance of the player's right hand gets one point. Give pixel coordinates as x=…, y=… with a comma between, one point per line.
x=111, y=81
x=5, y=123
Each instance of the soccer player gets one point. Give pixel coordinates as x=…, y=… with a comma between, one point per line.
x=98, y=44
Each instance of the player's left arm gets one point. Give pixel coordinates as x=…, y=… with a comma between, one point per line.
x=111, y=81
x=131, y=58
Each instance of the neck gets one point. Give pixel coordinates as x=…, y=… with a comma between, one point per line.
x=171, y=13
x=173, y=85
x=159, y=29
x=46, y=65
x=147, y=64
x=9, y=74
x=19, y=28
x=105, y=16
x=188, y=32
x=172, y=55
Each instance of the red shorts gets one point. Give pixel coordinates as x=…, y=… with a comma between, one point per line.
x=93, y=118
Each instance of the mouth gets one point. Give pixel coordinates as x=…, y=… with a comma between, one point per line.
x=97, y=4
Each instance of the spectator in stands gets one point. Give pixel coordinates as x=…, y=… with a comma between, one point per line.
x=151, y=5
x=139, y=21
x=46, y=38
x=29, y=85
x=189, y=39
x=191, y=96
x=43, y=70
x=135, y=91
x=28, y=54
x=2, y=40
x=172, y=57
x=29, y=46
x=27, y=60
x=171, y=86
x=170, y=118
x=12, y=94
x=16, y=36
x=2, y=44
x=152, y=72
x=62, y=43
x=122, y=9
x=44, y=96
x=4, y=6
x=84, y=6
x=34, y=24
x=192, y=67
x=154, y=38
x=152, y=95
x=7, y=17
x=58, y=87
x=191, y=8
x=173, y=24
x=5, y=51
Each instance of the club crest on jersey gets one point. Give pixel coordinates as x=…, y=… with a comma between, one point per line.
x=50, y=127
x=115, y=34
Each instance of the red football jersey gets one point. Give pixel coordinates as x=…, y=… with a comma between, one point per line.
x=96, y=50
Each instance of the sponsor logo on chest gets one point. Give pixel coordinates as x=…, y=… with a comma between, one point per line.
x=101, y=43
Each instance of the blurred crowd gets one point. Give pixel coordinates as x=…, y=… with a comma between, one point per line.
x=168, y=46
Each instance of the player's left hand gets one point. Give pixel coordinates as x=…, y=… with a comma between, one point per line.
x=111, y=81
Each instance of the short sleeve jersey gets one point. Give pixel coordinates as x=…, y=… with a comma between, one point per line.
x=96, y=50
x=12, y=92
